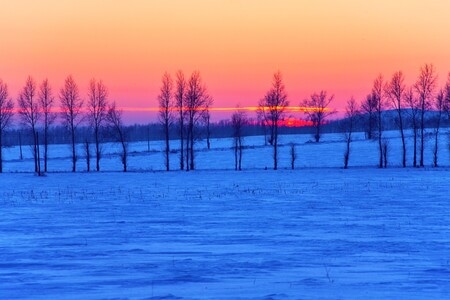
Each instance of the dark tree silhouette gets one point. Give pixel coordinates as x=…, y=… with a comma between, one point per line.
x=6, y=114
x=414, y=107
x=197, y=100
x=165, y=113
x=424, y=86
x=46, y=101
x=395, y=90
x=207, y=122
x=317, y=110
x=30, y=112
x=439, y=106
x=238, y=121
x=180, y=94
x=368, y=107
x=119, y=131
x=97, y=110
x=71, y=105
x=378, y=95
x=272, y=108
x=350, y=122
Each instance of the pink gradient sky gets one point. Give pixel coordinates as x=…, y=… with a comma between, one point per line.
x=339, y=46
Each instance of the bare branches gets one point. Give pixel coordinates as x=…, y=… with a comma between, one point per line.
x=46, y=101
x=369, y=107
x=165, y=111
x=197, y=100
x=97, y=110
x=238, y=120
x=351, y=114
x=425, y=86
x=319, y=111
x=6, y=113
x=271, y=109
x=114, y=119
x=180, y=94
x=29, y=111
x=71, y=105
x=395, y=90
x=378, y=98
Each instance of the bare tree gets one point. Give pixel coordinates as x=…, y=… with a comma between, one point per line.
x=71, y=105
x=385, y=146
x=317, y=110
x=261, y=119
x=351, y=118
x=272, y=108
x=87, y=151
x=180, y=94
x=29, y=111
x=369, y=108
x=46, y=101
x=447, y=97
x=439, y=106
x=197, y=100
x=395, y=90
x=414, y=108
x=378, y=95
x=238, y=120
x=6, y=114
x=424, y=86
x=165, y=112
x=97, y=110
x=114, y=119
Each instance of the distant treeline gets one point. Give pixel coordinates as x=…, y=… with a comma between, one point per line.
x=221, y=129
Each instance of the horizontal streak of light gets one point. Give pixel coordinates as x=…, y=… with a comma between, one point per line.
x=226, y=109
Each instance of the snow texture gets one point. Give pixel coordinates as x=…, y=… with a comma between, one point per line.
x=317, y=232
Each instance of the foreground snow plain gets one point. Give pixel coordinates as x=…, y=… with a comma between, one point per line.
x=317, y=232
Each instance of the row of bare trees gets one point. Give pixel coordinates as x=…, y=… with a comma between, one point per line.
x=271, y=112
x=186, y=104
x=411, y=104
x=37, y=111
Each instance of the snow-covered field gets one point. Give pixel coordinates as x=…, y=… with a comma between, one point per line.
x=317, y=232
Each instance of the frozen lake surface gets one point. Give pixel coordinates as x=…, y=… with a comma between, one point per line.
x=304, y=234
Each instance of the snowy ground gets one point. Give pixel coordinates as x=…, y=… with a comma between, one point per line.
x=318, y=232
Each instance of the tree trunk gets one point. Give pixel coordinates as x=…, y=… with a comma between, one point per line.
x=347, y=153
x=97, y=149
x=88, y=156
x=415, y=146
x=188, y=139
x=422, y=136
x=38, y=155
x=33, y=131
x=403, y=138
x=74, y=157
x=240, y=153
x=380, y=144
x=192, y=166
x=167, y=144
x=235, y=154
x=45, y=149
x=181, y=142
x=275, y=148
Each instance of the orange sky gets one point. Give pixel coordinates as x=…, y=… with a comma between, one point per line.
x=237, y=45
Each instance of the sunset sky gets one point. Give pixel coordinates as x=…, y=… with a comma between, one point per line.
x=237, y=45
